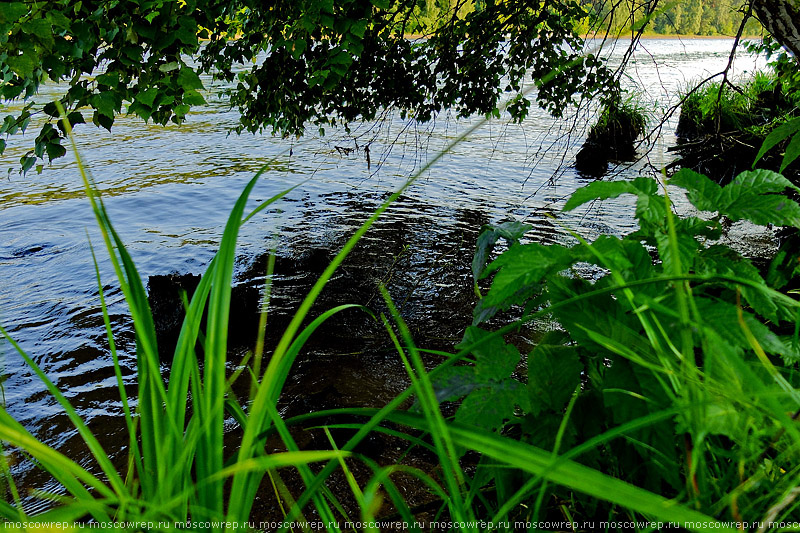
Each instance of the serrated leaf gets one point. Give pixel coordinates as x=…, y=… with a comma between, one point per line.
x=105, y=103
x=778, y=135
x=494, y=359
x=792, y=152
x=603, y=190
x=12, y=11
x=489, y=407
x=764, y=209
x=148, y=97
x=521, y=268
x=720, y=259
x=55, y=150
x=189, y=80
x=553, y=374
x=763, y=181
x=687, y=250
x=703, y=193
x=193, y=98
x=598, y=190
x=22, y=65
x=455, y=382
x=510, y=231
x=723, y=318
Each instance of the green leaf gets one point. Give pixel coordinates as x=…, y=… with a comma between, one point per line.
x=599, y=190
x=358, y=28
x=777, y=135
x=603, y=190
x=42, y=30
x=494, y=359
x=105, y=103
x=22, y=65
x=148, y=97
x=722, y=418
x=764, y=209
x=701, y=191
x=12, y=11
x=27, y=162
x=187, y=32
x=792, y=152
x=489, y=407
x=189, y=80
x=55, y=150
x=763, y=181
x=510, y=231
x=687, y=251
x=553, y=374
x=193, y=98
x=522, y=267
x=456, y=382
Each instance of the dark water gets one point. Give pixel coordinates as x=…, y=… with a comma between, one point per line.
x=169, y=191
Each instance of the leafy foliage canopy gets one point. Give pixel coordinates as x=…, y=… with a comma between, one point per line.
x=286, y=63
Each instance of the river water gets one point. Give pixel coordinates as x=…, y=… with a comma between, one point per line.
x=169, y=191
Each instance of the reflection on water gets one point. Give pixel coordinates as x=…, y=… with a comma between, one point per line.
x=169, y=190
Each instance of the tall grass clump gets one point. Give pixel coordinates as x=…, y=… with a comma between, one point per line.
x=667, y=394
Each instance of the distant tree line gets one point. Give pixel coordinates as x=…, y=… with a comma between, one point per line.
x=683, y=17
x=704, y=17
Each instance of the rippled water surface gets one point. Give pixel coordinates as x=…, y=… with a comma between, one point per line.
x=169, y=191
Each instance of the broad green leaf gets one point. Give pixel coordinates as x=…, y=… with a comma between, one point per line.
x=792, y=152
x=148, y=97
x=599, y=190
x=55, y=150
x=192, y=98
x=521, y=269
x=189, y=80
x=718, y=259
x=12, y=11
x=494, y=359
x=763, y=181
x=779, y=134
x=701, y=191
x=456, y=382
x=764, y=209
x=510, y=231
x=612, y=253
x=105, y=103
x=22, y=65
x=489, y=407
x=42, y=30
x=723, y=318
x=553, y=374
x=687, y=251
x=723, y=418
x=651, y=208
